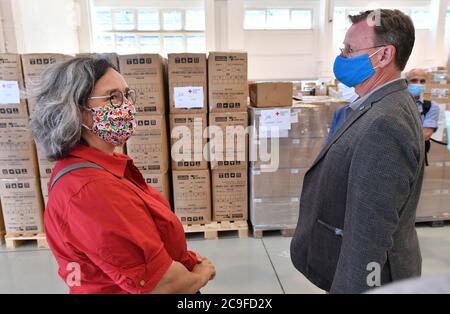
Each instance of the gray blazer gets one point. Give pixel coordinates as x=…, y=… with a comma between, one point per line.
x=359, y=199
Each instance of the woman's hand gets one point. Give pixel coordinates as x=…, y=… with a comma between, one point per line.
x=205, y=269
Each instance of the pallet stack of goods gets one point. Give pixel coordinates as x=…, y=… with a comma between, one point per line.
x=21, y=197
x=187, y=80
x=435, y=197
x=285, y=141
x=148, y=146
x=228, y=121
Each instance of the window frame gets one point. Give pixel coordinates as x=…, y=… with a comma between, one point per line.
x=161, y=33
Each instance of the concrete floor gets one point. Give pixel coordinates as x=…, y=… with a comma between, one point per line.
x=244, y=266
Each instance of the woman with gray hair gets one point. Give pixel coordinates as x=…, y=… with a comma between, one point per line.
x=109, y=231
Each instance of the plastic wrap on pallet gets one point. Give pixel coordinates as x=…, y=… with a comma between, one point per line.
x=301, y=121
x=274, y=213
x=294, y=153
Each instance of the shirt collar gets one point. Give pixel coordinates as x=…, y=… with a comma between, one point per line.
x=115, y=164
x=360, y=101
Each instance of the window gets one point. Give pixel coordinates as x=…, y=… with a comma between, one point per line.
x=150, y=44
x=301, y=19
x=124, y=20
x=421, y=18
x=148, y=30
x=148, y=20
x=195, y=20
x=267, y=19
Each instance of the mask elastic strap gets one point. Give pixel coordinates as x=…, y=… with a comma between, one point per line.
x=375, y=54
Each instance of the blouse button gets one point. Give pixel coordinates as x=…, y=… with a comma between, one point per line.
x=142, y=283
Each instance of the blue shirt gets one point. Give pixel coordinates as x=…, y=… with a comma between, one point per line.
x=431, y=120
x=338, y=120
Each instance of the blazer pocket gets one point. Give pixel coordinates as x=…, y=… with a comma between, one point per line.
x=324, y=249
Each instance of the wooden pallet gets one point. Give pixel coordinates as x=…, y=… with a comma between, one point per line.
x=14, y=241
x=211, y=230
x=286, y=232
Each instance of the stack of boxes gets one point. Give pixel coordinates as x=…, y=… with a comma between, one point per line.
x=148, y=146
x=19, y=185
x=284, y=142
x=187, y=80
x=435, y=197
x=228, y=121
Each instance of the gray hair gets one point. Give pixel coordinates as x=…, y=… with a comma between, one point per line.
x=63, y=91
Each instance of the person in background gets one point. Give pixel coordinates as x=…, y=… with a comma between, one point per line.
x=349, y=94
x=356, y=227
x=429, y=110
x=110, y=232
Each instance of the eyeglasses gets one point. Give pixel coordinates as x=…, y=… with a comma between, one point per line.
x=117, y=98
x=346, y=52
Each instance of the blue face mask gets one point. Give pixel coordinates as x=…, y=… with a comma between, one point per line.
x=416, y=89
x=354, y=71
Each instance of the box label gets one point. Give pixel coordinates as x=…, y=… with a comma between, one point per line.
x=9, y=92
x=189, y=97
x=439, y=93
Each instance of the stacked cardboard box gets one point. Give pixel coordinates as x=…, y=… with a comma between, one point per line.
x=439, y=93
x=434, y=201
x=271, y=94
x=149, y=144
x=284, y=142
x=188, y=99
x=20, y=193
x=228, y=121
x=112, y=57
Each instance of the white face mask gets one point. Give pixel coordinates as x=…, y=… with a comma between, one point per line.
x=348, y=93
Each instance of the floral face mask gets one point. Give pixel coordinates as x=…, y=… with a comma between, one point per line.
x=114, y=125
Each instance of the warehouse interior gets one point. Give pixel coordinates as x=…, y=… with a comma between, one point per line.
x=241, y=213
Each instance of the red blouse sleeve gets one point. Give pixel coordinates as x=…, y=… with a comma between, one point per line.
x=111, y=229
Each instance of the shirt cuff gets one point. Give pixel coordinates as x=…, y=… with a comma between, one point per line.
x=190, y=261
x=143, y=279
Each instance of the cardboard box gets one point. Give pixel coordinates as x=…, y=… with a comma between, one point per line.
x=11, y=81
x=181, y=126
x=227, y=81
x=112, y=57
x=439, y=93
x=22, y=206
x=17, y=150
x=281, y=183
x=145, y=74
x=34, y=65
x=148, y=146
x=291, y=153
x=232, y=140
x=188, y=90
x=44, y=190
x=274, y=213
x=192, y=196
x=160, y=182
x=230, y=195
x=271, y=94
x=45, y=166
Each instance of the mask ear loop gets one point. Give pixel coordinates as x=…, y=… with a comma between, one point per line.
x=375, y=54
x=84, y=125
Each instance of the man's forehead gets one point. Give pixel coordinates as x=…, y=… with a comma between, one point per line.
x=359, y=33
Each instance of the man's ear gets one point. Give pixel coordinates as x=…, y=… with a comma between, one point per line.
x=387, y=56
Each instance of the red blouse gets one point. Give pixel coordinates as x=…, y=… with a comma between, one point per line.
x=109, y=231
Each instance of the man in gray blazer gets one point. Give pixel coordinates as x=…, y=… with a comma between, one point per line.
x=356, y=228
